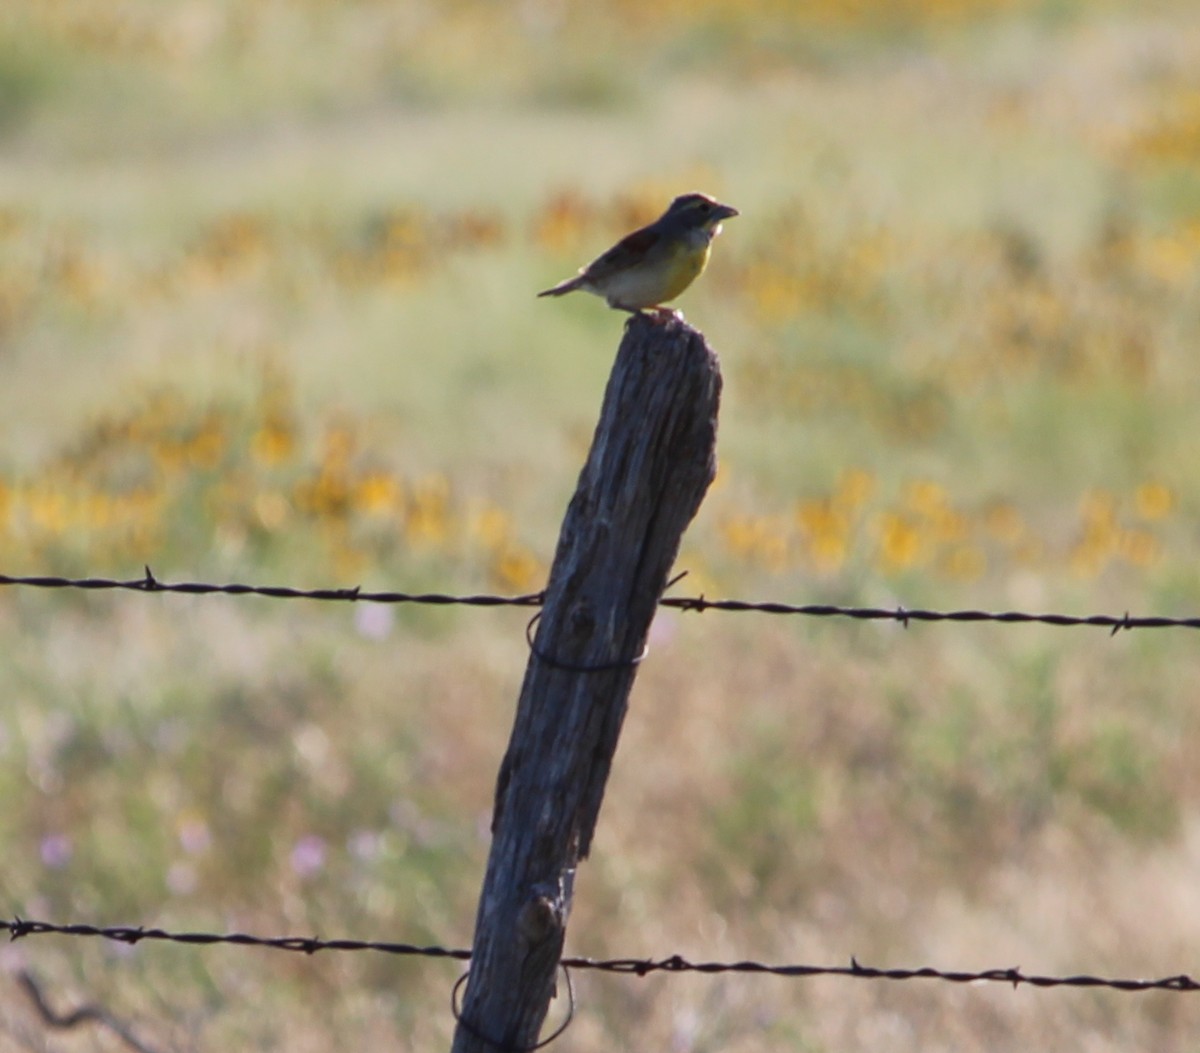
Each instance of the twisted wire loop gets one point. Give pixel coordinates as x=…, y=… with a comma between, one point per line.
x=505, y=1047
x=577, y=667
x=19, y=928
x=904, y=616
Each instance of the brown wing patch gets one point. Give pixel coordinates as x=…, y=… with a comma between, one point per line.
x=625, y=253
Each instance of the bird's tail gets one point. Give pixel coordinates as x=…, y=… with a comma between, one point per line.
x=570, y=285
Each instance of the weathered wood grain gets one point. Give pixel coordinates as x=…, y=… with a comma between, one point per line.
x=652, y=459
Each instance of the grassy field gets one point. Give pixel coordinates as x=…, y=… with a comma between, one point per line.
x=267, y=314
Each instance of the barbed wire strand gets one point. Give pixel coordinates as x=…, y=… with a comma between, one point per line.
x=149, y=583
x=904, y=616
x=19, y=928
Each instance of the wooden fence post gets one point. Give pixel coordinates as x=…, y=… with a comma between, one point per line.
x=652, y=459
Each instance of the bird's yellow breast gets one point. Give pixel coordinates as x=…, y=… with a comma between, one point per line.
x=686, y=266
x=657, y=280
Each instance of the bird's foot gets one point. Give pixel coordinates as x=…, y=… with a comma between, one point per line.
x=662, y=315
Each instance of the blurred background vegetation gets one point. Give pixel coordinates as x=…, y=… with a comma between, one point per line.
x=266, y=314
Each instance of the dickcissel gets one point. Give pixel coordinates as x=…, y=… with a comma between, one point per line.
x=655, y=264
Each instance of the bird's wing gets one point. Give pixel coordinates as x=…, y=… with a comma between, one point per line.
x=629, y=250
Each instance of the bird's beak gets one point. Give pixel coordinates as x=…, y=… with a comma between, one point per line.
x=726, y=211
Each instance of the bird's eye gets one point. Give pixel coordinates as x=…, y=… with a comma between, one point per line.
x=705, y=206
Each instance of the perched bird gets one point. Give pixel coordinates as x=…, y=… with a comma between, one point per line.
x=655, y=264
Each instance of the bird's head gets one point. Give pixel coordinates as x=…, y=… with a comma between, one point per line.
x=699, y=210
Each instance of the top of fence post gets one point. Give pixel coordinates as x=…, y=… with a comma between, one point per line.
x=651, y=461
